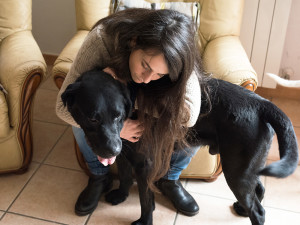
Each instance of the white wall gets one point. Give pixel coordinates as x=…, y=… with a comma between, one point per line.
x=53, y=24
x=291, y=52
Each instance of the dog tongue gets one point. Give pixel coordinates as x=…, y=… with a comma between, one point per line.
x=106, y=162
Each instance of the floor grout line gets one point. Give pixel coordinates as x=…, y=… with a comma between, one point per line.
x=36, y=218
x=57, y=141
x=61, y=167
x=31, y=177
x=42, y=121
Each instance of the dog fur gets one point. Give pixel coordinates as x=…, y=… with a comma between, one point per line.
x=239, y=126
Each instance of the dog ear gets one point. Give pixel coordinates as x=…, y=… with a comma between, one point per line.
x=68, y=95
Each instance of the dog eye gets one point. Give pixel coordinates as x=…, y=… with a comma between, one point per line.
x=93, y=120
x=117, y=118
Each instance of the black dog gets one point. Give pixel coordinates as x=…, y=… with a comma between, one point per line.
x=239, y=125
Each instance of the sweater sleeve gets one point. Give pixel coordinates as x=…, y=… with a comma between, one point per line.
x=193, y=99
x=91, y=54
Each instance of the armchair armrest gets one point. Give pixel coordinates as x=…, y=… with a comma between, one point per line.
x=227, y=60
x=66, y=57
x=22, y=67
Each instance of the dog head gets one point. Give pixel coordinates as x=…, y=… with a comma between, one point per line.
x=99, y=104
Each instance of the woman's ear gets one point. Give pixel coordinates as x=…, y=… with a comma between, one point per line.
x=132, y=43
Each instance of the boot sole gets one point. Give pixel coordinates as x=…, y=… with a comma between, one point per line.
x=187, y=213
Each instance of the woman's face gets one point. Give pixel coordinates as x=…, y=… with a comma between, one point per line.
x=146, y=66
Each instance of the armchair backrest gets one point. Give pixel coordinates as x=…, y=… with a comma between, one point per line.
x=15, y=16
x=88, y=12
x=217, y=17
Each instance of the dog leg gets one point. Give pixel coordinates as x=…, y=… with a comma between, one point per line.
x=146, y=197
x=125, y=176
x=259, y=190
x=249, y=198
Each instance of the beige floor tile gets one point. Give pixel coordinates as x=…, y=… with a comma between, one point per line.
x=284, y=193
x=51, y=195
x=13, y=219
x=280, y=217
x=274, y=150
x=44, y=107
x=63, y=155
x=213, y=211
x=12, y=184
x=129, y=211
x=45, y=136
x=290, y=107
x=218, y=188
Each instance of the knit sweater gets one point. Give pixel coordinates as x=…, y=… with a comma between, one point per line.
x=96, y=52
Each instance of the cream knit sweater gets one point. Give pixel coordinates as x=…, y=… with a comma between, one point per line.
x=95, y=52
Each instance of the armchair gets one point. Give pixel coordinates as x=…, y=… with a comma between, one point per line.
x=22, y=68
x=221, y=50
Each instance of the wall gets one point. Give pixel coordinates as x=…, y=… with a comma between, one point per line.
x=263, y=35
x=53, y=24
x=291, y=52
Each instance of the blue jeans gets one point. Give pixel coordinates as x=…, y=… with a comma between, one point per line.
x=179, y=161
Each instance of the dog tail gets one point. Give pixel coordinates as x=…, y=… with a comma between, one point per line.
x=287, y=141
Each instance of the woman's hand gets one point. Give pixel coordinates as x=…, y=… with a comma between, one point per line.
x=132, y=130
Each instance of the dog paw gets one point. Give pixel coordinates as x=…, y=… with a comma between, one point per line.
x=141, y=222
x=115, y=197
x=239, y=209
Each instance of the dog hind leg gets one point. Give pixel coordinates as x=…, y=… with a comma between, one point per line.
x=249, y=203
x=259, y=190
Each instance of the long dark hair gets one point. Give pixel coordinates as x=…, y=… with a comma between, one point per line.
x=161, y=103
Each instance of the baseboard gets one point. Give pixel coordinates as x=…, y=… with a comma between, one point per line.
x=279, y=91
x=50, y=59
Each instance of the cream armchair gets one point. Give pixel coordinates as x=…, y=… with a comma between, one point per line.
x=22, y=68
x=221, y=50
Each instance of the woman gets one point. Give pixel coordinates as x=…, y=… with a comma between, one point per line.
x=156, y=54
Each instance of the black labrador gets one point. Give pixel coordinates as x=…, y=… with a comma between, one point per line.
x=238, y=124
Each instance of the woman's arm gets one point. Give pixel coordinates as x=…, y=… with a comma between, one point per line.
x=91, y=54
x=193, y=99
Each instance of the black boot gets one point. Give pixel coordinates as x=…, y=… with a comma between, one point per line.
x=87, y=201
x=180, y=198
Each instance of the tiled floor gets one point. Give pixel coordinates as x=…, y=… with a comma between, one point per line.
x=46, y=194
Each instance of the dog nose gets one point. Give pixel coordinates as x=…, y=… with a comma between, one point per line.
x=115, y=146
